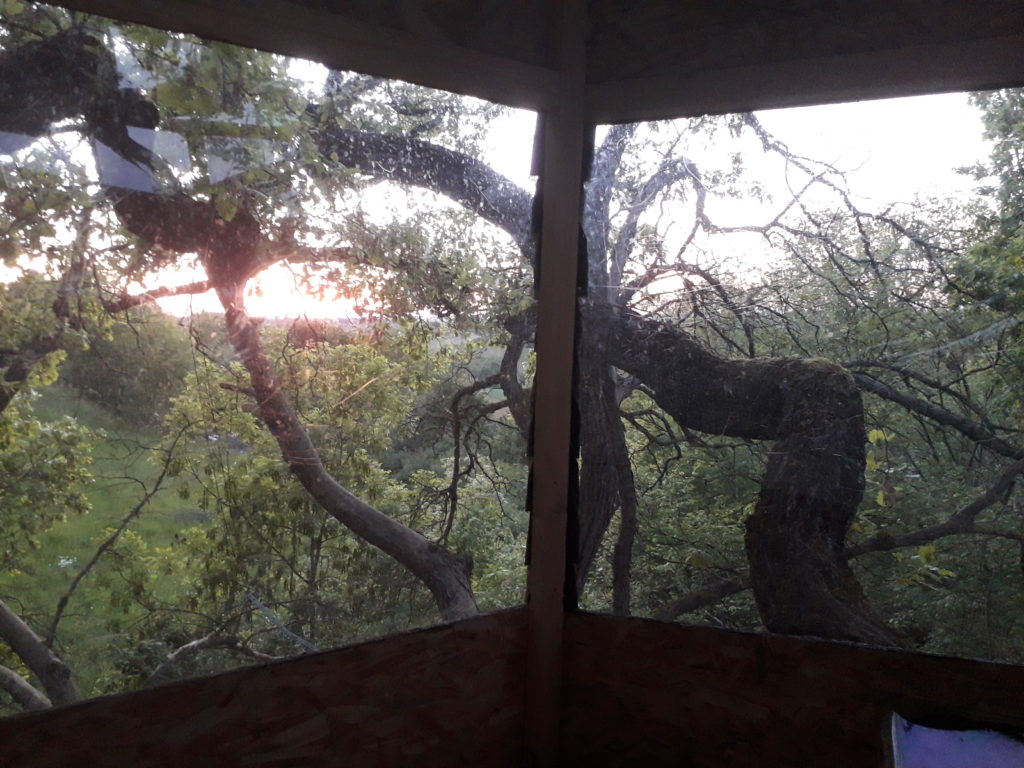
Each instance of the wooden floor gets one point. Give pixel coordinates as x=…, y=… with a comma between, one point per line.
x=646, y=693
x=636, y=693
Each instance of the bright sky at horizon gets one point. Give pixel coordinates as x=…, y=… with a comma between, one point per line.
x=893, y=150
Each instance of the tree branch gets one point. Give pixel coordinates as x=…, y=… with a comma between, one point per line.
x=814, y=480
x=971, y=429
x=52, y=673
x=961, y=522
x=209, y=643
x=435, y=566
x=127, y=302
x=22, y=692
x=705, y=595
x=464, y=179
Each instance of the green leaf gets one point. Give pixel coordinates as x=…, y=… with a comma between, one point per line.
x=927, y=554
x=226, y=206
x=878, y=437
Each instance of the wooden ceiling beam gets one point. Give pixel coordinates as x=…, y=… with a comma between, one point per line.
x=967, y=65
x=340, y=42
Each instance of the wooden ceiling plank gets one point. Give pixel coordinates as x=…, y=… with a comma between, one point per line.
x=342, y=43
x=970, y=65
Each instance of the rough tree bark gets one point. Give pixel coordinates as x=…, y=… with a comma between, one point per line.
x=814, y=482
x=606, y=483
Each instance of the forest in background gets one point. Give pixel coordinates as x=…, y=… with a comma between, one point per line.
x=828, y=447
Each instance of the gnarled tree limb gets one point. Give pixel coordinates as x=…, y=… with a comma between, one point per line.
x=814, y=481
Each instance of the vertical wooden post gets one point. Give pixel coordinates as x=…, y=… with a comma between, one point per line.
x=556, y=303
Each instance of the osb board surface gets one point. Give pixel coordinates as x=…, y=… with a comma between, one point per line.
x=653, y=694
x=517, y=30
x=641, y=38
x=446, y=696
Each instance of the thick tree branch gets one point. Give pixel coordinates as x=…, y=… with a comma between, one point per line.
x=464, y=179
x=597, y=202
x=703, y=596
x=622, y=556
x=17, y=365
x=125, y=303
x=51, y=672
x=814, y=480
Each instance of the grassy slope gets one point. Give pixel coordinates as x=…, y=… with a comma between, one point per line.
x=120, y=461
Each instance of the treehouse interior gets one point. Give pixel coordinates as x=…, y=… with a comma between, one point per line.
x=545, y=684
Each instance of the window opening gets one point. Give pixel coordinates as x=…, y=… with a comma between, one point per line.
x=266, y=355
x=799, y=376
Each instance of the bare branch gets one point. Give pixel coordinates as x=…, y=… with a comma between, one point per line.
x=127, y=302
x=971, y=429
x=961, y=522
x=209, y=643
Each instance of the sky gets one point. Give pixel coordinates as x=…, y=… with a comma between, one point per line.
x=893, y=150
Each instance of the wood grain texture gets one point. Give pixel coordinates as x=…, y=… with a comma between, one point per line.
x=655, y=59
x=419, y=44
x=647, y=693
x=552, y=462
x=996, y=62
x=640, y=38
x=446, y=696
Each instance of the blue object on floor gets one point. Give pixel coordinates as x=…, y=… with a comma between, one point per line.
x=915, y=746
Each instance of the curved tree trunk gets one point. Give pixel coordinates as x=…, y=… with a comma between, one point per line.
x=444, y=574
x=814, y=480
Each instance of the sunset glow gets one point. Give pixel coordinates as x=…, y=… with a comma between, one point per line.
x=276, y=292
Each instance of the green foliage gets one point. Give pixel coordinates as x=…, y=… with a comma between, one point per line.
x=991, y=271
x=135, y=368
x=236, y=546
x=44, y=472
